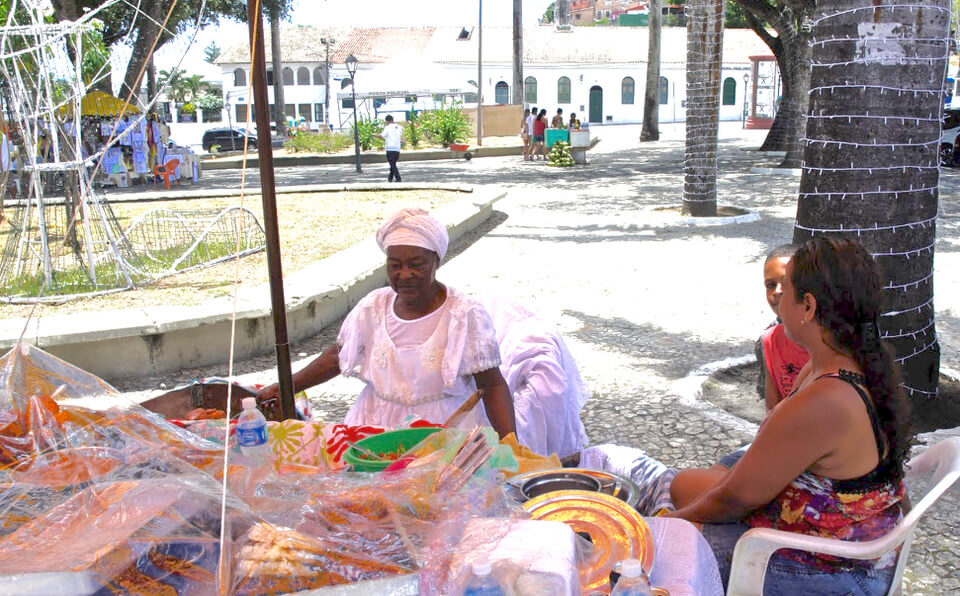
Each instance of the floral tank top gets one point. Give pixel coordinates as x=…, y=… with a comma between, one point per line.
x=857, y=509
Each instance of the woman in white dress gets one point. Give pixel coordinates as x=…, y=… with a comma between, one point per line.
x=420, y=347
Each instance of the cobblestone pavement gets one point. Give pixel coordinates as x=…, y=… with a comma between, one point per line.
x=643, y=302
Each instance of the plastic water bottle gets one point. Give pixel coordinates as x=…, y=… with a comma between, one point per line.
x=252, y=432
x=633, y=581
x=482, y=582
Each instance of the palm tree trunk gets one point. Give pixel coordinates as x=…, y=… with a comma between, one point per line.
x=871, y=156
x=704, y=52
x=517, y=52
x=650, y=131
x=279, y=115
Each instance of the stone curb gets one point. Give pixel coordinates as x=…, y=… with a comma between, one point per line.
x=683, y=220
x=254, y=191
x=377, y=157
x=778, y=171
x=145, y=341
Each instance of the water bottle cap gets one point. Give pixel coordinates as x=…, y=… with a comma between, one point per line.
x=631, y=568
x=482, y=568
x=249, y=403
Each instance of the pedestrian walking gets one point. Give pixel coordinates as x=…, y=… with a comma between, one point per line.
x=529, y=120
x=391, y=135
x=524, y=134
x=539, y=129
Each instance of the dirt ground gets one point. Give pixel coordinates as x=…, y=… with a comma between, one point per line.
x=312, y=226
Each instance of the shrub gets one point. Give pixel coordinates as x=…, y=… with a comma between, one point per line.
x=188, y=108
x=311, y=142
x=412, y=131
x=368, y=129
x=559, y=156
x=446, y=125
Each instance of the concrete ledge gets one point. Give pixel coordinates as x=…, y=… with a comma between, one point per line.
x=778, y=171
x=374, y=157
x=145, y=341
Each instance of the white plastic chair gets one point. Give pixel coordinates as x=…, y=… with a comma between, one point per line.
x=753, y=550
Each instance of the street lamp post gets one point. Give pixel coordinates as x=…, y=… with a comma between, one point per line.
x=746, y=84
x=351, y=64
x=327, y=42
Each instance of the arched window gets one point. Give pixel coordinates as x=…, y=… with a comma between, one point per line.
x=729, y=91
x=287, y=76
x=563, y=90
x=627, y=88
x=318, y=78
x=239, y=78
x=303, y=76
x=346, y=82
x=530, y=90
x=501, y=92
x=664, y=91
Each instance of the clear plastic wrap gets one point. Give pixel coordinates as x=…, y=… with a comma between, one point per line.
x=118, y=500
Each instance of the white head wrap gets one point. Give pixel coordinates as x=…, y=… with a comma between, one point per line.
x=413, y=227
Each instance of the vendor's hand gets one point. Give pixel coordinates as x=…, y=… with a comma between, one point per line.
x=269, y=392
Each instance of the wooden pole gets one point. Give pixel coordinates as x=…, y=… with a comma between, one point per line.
x=265, y=151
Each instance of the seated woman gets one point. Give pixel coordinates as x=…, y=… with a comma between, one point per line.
x=828, y=459
x=420, y=347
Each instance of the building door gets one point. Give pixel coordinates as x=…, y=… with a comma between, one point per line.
x=596, y=104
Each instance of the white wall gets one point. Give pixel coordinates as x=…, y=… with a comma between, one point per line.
x=378, y=77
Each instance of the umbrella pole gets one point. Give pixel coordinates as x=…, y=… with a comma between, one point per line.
x=267, y=184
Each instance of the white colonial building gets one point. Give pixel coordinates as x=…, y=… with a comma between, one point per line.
x=597, y=72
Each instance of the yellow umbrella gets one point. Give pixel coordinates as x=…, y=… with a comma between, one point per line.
x=98, y=103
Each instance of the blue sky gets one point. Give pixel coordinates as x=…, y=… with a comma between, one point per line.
x=398, y=13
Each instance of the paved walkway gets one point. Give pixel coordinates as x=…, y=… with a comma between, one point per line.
x=644, y=303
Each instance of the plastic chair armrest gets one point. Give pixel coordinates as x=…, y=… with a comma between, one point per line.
x=753, y=551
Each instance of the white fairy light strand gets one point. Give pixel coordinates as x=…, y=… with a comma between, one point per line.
x=919, y=157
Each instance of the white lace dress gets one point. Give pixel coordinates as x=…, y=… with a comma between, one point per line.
x=430, y=380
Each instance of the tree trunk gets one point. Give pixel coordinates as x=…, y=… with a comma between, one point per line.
x=279, y=115
x=871, y=157
x=148, y=28
x=517, y=52
x=787, y=131
x=704, y=52
x=650, y=131
x=151, y=79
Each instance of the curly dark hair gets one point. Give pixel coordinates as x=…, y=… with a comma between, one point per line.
x=846, y=281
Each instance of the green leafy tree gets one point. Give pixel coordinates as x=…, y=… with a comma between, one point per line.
x=548, y=14
x=211, y=52
x=144, y=19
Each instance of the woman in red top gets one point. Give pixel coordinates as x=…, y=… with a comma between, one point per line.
x=539, y=129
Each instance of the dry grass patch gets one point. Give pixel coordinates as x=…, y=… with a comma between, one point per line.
x=312, y=226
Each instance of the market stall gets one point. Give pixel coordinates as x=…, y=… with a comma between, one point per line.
x=102, y=496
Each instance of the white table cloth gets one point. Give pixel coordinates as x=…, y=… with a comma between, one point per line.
x=683, y=562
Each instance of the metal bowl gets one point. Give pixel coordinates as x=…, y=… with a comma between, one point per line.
x=554, y=481
x=612, y=484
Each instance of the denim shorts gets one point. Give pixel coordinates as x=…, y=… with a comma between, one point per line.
x=728, y=460
x=786, y=577
x=537, y=138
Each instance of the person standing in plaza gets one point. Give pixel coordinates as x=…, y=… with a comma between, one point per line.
x=391, y=135
x=557, y=121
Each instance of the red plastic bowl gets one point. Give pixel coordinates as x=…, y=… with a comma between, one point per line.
x=459, y=147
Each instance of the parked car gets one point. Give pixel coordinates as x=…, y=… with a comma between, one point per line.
x=227, y=139
x=949, y=156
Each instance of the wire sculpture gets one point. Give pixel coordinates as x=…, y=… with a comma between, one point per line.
x=63, y=238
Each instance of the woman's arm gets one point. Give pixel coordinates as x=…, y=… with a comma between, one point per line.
x=323, y=368
x=497, y=401
x=795, y=435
